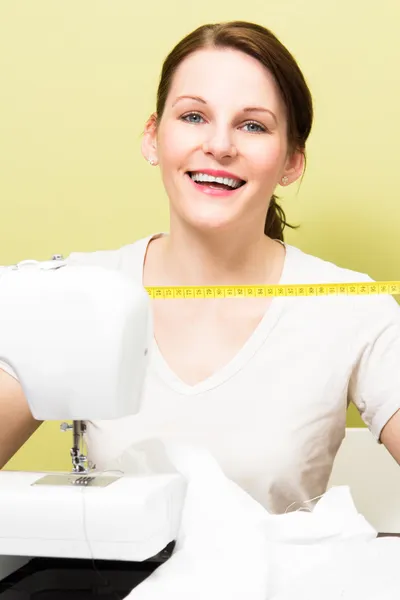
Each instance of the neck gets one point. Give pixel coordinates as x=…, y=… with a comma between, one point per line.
x=191, y=257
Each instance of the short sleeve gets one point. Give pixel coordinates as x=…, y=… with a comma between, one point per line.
x=5, y=367
x=375, y=379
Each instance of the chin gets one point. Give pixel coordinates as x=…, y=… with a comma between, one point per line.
x=210, y=224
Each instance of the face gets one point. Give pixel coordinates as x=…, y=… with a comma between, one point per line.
x=221, y=143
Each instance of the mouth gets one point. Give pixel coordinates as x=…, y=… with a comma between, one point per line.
x=216, y=183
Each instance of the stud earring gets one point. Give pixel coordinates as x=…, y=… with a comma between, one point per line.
x=152, y=162
x=285, y=180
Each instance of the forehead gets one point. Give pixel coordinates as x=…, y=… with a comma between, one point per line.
x=225, y=75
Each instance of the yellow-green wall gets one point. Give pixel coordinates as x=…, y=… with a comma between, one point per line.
x=78, y=79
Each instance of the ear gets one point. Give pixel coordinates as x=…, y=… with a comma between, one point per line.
x=294, y=167
x=149, y=140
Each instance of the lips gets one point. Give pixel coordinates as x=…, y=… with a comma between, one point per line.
x=218, y=173
x=215, y=190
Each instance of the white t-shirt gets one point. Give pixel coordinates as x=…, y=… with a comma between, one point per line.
x=275, y=415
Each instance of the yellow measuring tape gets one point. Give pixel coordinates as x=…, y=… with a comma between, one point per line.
x=256, y=291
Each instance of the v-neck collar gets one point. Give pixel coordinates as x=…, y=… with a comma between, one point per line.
x=257, y=338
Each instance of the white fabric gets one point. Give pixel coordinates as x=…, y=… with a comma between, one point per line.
x=230, y=547
x=275, y=416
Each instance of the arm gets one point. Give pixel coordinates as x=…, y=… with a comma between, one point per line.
x=16, y=421
x=390, y=436
x=375, y=382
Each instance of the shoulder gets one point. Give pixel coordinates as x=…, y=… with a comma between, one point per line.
x=374, y=310
x=128, y=258
x=307, y=268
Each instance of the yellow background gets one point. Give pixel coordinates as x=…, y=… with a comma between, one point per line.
x=78, y=79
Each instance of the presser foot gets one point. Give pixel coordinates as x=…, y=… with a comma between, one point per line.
x=83, y=474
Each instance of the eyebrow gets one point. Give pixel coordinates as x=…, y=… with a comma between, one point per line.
x=246, y=110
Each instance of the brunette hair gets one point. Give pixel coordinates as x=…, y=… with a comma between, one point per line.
x=260, y=43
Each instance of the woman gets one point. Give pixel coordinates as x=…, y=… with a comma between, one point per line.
x=263, y=383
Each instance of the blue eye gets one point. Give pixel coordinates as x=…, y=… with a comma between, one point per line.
x=256, y=127
x=192, y=114
x=196, y=118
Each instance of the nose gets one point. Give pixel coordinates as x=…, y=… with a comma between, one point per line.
x=219, y=144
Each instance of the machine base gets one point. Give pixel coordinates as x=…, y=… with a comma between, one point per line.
x=131, y=520
x=72, y=579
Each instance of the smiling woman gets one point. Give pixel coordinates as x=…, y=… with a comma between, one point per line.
x=263, y=383
x=261, y=92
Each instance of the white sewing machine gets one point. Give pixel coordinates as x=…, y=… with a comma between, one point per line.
x=78, y=339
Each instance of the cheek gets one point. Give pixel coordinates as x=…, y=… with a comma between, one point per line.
x=174, y=143
x=267, y=156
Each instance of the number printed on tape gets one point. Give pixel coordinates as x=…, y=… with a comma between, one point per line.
x=367, y=288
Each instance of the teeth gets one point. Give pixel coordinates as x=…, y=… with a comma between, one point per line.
x=233, y=183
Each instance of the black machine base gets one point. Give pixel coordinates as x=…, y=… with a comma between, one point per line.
x=78, y=579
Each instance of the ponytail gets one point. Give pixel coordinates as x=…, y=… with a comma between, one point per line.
x=275, y=221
